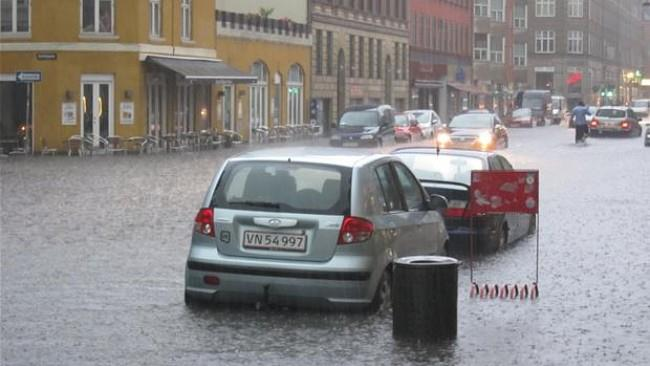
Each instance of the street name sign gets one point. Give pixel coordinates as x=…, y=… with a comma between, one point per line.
x=28, y=76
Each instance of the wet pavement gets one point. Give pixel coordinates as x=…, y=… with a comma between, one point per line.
x=93, y=252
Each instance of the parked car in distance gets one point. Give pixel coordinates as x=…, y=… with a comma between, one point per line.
x=428, y=120
x=522, y=117
x=476, y=131
x=620, y=120
x=365, y=125
x=407, y=128
x=448, y=173
x=558, y=109
x=641, y=107
x=309, y=227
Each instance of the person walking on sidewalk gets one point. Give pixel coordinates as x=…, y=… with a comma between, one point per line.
x=579, y=115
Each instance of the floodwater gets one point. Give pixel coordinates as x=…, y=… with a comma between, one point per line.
x=93, y=253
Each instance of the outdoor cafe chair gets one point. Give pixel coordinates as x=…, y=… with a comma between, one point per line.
x=136, y=144
x=115, y=145
x=74, y=145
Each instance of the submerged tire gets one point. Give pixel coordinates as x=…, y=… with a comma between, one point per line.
x=382, y=300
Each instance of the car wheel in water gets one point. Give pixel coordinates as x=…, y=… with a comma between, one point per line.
x=382, y=301
x=498, y=242
x=192, y=301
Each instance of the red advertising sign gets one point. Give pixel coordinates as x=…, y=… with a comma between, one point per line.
x=504, y=191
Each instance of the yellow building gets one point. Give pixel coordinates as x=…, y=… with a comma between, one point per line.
x=107, y=68
x=271, y=40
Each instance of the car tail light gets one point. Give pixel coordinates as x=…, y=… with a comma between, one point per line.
x=594, y=123
x=211, y=280
x=456, y=208
x=625, y=125
x=355, y=230
x=204, y=222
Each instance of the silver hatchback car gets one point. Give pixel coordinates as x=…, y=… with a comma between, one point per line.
x=311, y=228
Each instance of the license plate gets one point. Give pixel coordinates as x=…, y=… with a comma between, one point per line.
x=350, y=144
x=275, y=241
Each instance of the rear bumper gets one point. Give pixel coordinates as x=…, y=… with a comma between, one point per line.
x=330, y=285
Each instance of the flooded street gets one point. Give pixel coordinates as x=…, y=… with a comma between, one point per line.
x=93, y=253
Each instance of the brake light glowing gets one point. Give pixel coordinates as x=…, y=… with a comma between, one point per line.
x=355, y=230
x=625, y=125
x=204, y=222
x=594, y=123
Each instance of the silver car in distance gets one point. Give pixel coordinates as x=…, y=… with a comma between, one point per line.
x=309, y=227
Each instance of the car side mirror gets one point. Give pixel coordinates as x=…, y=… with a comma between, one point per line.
x=438, y=203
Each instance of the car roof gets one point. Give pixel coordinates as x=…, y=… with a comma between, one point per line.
x=620, y=108
x=314, y=155
x=367, y=107
x=419, y=111
x=452, y=152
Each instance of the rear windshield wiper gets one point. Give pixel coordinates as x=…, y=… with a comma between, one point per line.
x=256, y=204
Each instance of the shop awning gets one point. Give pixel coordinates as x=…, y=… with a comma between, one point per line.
x=467, y=88
x=207, y=70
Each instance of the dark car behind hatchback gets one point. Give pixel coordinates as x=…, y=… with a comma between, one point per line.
x=365, y=126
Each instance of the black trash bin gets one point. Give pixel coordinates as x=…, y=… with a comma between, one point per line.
x=425, y=298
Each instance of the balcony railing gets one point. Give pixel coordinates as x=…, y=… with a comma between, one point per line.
x=257, y=23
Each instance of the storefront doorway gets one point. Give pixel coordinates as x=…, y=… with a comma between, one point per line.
x=15, y=115
x=97, y=107
x=227, y=108
x=156, y=106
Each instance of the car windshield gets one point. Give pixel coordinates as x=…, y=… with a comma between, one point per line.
x=284, y=187
x=451, y=168
x=422, y=117
x=611, y=113
x=473, y=120
x=524, y=112
x=641, y=103
x=401, y=120
x=360, y=118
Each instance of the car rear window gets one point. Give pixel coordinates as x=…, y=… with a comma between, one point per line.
x=441, y=167
x=401, y=120
x=360, y=119
x=611, y=113
x=284, y=187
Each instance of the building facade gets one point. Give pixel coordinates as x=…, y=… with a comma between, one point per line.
x=494, y=35
x=440, y=44
x=582, y=49
x=109, y=68
x=272, y=42
x=359, y=56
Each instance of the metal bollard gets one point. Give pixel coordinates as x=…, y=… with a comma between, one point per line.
x=425, y=298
